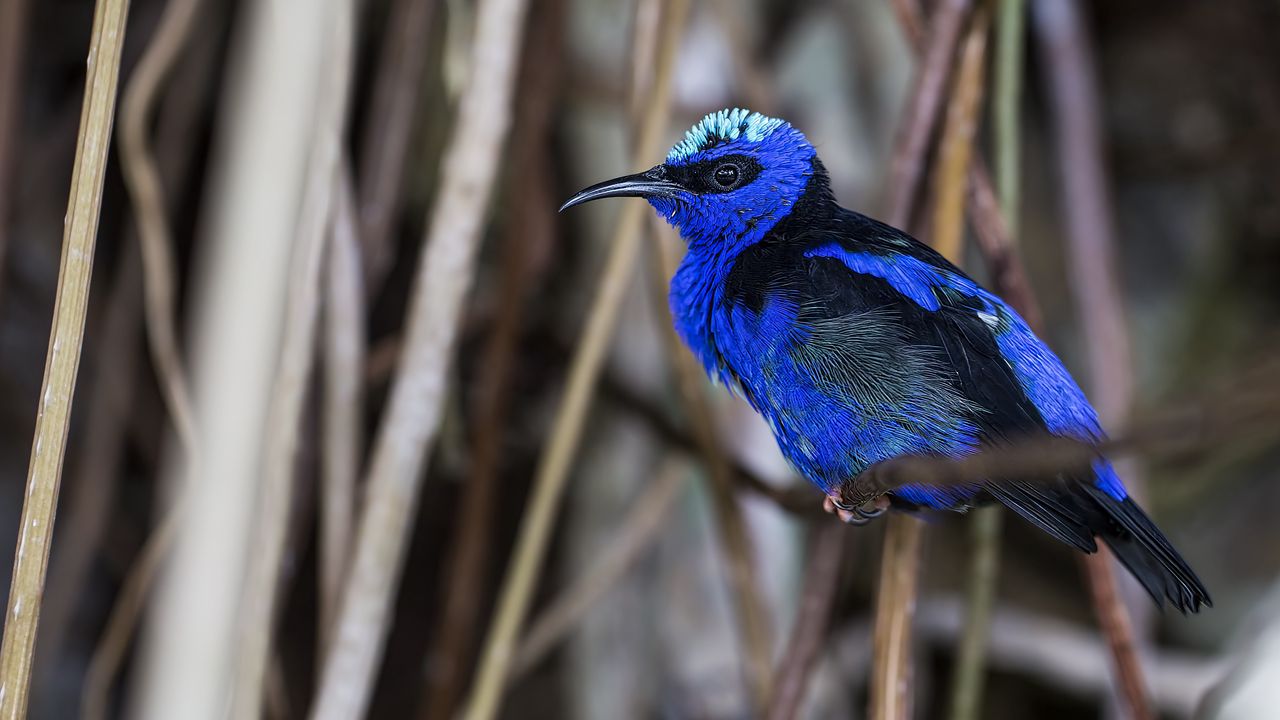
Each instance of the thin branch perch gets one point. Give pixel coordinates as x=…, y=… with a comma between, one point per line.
x=62, y=363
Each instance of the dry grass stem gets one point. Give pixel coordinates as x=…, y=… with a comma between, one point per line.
x=636, y=534
x=62, y=362
x=417, y=394
x=553, y=469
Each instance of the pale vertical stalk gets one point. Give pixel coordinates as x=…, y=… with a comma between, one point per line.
x=62, y=363
x=553, y=468
x=343, y=349
x=414, y=409
x=252, y=211
x=293, y=373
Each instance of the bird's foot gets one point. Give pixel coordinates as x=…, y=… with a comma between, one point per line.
x=859, y=514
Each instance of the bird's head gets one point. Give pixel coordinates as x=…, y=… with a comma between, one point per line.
x=733, y=176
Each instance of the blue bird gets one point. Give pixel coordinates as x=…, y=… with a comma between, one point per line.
x=858, y=343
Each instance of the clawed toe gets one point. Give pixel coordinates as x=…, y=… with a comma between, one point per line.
x=856, y=515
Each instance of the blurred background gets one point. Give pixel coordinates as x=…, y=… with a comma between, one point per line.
x=247, y=429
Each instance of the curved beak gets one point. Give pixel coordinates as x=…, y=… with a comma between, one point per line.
x=650, y=183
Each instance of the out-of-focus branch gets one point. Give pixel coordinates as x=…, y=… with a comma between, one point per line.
x=1011, y=39
x=62, y=363
x=584, y=370
x=468, y=172
x=1071, y=79
x=956, y=146
x=826, y=543
x=751, y=80
x=526, y=247
x=636, y=534
x=13, y=36
x=923, y=110
x=384, y=146
x=297, y=360
x=1046, y=649
x=146, y=190
x=343, y=401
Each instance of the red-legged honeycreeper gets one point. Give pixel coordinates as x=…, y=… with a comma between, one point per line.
x=858, y=343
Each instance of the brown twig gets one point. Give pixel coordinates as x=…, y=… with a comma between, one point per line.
x=384, y=146
x=921, y=115
x=890, y=692
x=635, y=535
x=527, y=242
x=62, y=362
x=1118, y=630
x=1070, y=76
x=414, y=409
x=812, y=617
x=146, y=189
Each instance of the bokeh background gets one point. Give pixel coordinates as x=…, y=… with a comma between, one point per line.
x=637, y=611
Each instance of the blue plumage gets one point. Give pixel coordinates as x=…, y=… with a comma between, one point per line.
x=858, y=344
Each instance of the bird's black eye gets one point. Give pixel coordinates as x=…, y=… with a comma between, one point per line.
x=726, y=175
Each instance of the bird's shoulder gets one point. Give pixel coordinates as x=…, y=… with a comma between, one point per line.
x=865, y=290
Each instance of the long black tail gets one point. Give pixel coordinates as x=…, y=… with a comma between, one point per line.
x=1075, y=512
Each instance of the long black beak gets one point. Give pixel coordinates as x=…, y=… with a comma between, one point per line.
x=650, y=183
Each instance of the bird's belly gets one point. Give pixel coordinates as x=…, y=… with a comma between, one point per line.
x=832, y=427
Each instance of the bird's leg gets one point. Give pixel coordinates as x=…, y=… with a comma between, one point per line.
x=860, y=500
